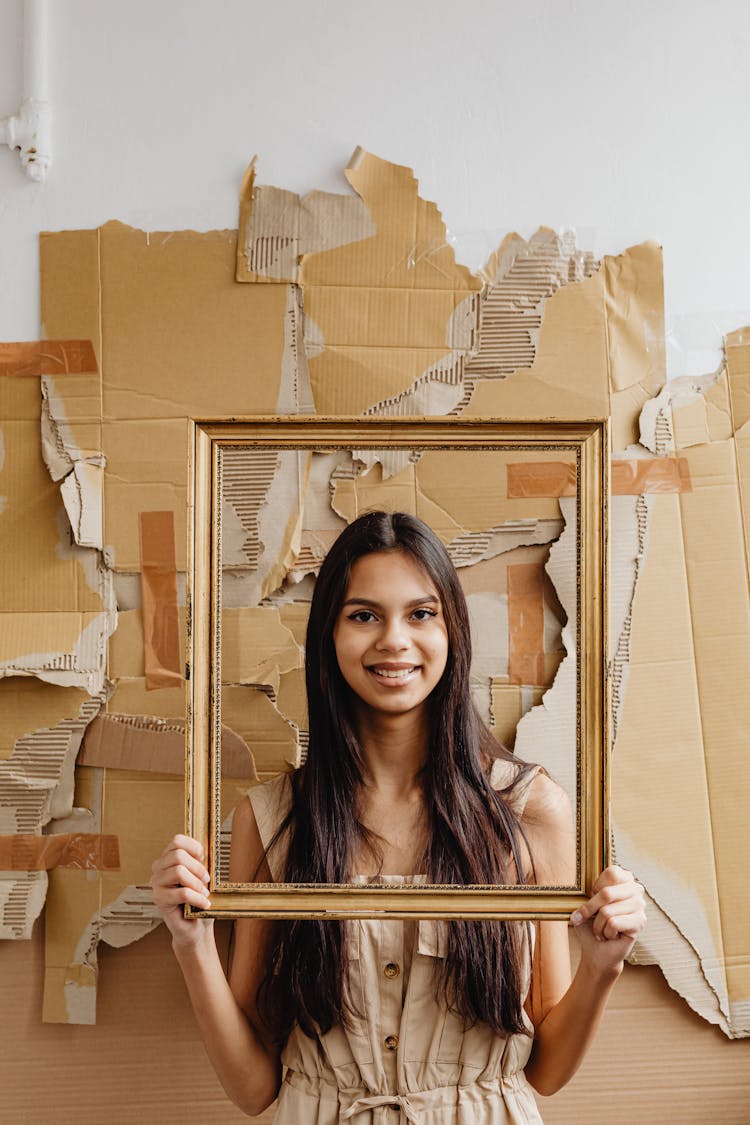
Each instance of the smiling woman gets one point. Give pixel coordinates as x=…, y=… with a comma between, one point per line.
x=386, y=1020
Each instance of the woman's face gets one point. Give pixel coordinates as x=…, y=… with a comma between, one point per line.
x=390, y=636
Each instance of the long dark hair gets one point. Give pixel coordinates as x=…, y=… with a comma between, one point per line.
x=481, y=977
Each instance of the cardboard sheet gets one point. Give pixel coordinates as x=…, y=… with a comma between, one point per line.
x=179, y=337
x=57, y=608
x=690, y=652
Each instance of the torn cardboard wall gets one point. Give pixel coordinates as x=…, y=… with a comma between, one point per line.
x=356, y=304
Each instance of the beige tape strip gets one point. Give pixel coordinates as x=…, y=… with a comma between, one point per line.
x=84, y=850
x=47, y=357
x=541, y=479
x=629, y=478
x=161, y=626
x=526, y=623
x=658, y=474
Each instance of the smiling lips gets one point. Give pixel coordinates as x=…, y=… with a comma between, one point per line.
x=396, y=673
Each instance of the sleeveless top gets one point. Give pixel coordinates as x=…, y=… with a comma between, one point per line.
x=406, y=1057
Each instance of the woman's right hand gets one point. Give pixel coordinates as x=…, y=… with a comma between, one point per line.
x=179, y=876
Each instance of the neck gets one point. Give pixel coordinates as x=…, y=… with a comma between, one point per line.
x=394, y=749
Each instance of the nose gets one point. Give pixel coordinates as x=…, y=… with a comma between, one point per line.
x=393, y=636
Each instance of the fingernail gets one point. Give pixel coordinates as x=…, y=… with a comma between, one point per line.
x=576, y=918
x=206, y=877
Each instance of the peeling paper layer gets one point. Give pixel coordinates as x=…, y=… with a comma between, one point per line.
x=277, y=227
x=547, y=733
x=36, y=785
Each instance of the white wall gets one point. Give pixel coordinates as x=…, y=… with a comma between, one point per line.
x=625, y=119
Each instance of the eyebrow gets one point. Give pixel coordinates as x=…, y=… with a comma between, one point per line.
x=376, y=605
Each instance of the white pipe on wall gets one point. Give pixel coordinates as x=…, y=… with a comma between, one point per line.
x=29, y=130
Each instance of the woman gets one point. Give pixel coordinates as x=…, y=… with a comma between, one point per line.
x=387, y=1021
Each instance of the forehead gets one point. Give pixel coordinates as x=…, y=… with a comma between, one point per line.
x=394, y=571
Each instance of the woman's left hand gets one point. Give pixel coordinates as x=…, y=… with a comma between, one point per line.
x=609, y=923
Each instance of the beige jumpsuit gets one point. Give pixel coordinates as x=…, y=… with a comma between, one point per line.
x=406, y=1058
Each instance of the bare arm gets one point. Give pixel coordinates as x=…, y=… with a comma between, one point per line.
x=245, y=1060
x=565, y=1013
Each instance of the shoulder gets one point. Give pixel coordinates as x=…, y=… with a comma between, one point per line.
x=257, y=820
x=271, y=800
x=550, y=828
x=547, y=802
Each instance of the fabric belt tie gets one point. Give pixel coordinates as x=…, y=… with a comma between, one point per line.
x=410, y=1105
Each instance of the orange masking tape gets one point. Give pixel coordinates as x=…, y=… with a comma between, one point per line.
x=544, y=479
x=48, y=357
x=84, y=850
x=541, y=479
x=526, y=623
x=652, y=474
x=161, y=627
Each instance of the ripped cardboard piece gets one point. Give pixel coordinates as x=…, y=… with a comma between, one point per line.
x=690, y=650
x=256, y=648
x=58, y=602
x=520, y=278
x=359, y=361
x=84, y=908
x=145, y=744
x=273, y=740
x=263, y=498
x=547, y=733
x=599, y=351
x=36, y=786
x=508, y=705
x=277, y=227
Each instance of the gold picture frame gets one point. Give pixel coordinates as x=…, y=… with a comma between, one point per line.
x=583, y=443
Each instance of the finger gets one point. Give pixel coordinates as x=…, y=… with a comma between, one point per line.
x=621, y=925
x=180, y=875
x=612, y=875
x=176, y=896
x=607, y=896
x=178, y=857
x=189, y=844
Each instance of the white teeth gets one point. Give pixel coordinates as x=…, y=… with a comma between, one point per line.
x=393, y=673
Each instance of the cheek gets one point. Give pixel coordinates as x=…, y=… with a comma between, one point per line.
x=440, y=652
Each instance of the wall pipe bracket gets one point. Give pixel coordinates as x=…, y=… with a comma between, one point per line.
x=29, y=131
